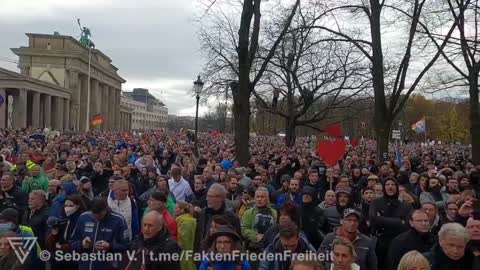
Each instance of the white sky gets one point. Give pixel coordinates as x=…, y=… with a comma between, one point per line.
x=151, y=42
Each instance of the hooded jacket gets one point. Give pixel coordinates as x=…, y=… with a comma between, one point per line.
x=312, y=219
x=334, y=214
x=388, y=218
x=186, y=238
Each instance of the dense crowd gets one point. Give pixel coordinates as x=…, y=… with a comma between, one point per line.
x=99, y=194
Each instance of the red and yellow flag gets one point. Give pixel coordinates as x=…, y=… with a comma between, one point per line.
x=97, y=120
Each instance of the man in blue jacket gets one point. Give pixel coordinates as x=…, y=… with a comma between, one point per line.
x=100, y=230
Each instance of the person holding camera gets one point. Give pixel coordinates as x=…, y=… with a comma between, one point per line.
x=61, y=230
x=99, y=229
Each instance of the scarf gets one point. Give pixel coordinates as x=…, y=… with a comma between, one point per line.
x=347, y=235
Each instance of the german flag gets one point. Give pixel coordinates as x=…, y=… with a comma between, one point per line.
x=97, y=120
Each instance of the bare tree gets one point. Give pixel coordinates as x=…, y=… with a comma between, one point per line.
x=232, y=46
x=462, y=55
x=312, y=77
x=398, y=62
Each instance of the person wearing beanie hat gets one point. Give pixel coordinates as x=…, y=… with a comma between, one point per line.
x=343, y=200
x=388, y=218
x=312, y=218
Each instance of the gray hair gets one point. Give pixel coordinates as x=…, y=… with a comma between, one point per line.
x=263, y=189
x=157, y=215
x=39, y=192
x=220, y=188
x=455, y=230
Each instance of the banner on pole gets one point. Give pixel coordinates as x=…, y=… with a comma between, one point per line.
x=97, y=120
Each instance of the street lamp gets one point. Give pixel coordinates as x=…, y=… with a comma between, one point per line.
x=197, y=86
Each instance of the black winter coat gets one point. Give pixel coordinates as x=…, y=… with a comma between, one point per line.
x=160, y=244
x=439, y=261
x=408, y=241
x=313, y=223
x=38, y=222
x=388, y=218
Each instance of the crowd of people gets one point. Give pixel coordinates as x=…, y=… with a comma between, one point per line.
x=140, y=195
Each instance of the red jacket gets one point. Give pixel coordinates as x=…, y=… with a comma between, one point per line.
x=171, y=224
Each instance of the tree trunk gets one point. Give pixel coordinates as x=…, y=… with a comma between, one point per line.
x=290, y=136
x=474, y=115
x=381, y=112
x=241, y=120
x=383, y=138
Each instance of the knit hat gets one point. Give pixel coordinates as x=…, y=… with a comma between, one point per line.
x=226, y=164
x=69, y=188
x=159, y=196
x=310, y=191
x=285, y=178
x=9, y=215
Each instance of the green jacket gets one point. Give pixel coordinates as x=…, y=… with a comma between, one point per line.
x=33, y=183
x=186, y=224
x=248, y=223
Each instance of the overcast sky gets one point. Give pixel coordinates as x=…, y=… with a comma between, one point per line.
x=151, y=42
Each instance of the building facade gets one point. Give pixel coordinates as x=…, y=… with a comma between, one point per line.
x=27, y=102
x=148, y=111
x=61, y=63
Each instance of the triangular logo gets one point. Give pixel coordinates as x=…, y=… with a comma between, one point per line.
x=22, y=246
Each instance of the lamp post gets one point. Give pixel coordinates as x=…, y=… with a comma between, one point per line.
x=197, y=86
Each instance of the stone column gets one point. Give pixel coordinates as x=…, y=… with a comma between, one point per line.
x=20, y=109
x=105, y=104
x=94, y=101
x=129, y=122
x=36, y=110
x=47, y=111
x=3, y=109
x=111, y=108
x=58, y=113
x=74, y=86
x=66, y=115
x=117, y=109
x=83, y=102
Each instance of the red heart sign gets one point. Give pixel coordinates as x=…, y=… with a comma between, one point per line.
x=331, y=151
x=334, y=130
x=353, y=142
